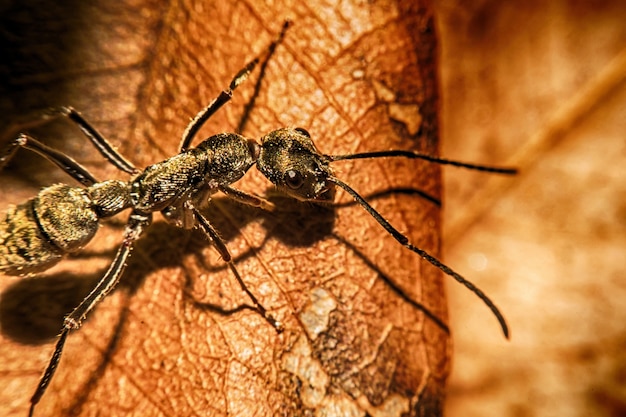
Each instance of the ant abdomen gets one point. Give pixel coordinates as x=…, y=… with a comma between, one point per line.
x=37, y=234
x=61, y=219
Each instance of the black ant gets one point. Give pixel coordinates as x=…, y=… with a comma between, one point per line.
x=62, y=219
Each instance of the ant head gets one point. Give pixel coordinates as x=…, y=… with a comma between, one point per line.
x=290, y=160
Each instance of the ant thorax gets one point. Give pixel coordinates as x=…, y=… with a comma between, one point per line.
x=191, y=176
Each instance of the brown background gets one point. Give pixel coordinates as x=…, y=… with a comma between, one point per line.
x=542, y=85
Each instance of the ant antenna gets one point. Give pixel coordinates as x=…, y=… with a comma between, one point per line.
x=429, y=158
x=404, y=241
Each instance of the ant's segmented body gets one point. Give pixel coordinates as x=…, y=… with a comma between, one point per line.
x=62, y=219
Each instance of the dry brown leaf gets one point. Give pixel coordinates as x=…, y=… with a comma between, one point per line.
x=357, y=76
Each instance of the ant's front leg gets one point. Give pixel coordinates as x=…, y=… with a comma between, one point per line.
x=247, y=198
x=225, y=96
x=206, y=113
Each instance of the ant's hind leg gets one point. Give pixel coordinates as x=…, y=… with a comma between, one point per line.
x=67, y=164
x=101, y=144
x=136, y=224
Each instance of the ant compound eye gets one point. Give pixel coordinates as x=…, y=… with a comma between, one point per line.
x=293, y=179
x=303, y=131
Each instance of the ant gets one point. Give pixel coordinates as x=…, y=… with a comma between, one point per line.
x=62, y=219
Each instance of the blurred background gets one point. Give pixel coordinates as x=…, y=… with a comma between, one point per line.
x=541, y=85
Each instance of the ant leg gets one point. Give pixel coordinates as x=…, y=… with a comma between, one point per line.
x=257, y=86
x=207, y=228
x=247, y=199
x=214, y=106
x=73, y=321
x=67, y=164
x=49, y=372
x=225, y=95
x=101, y=144
x=136, y=224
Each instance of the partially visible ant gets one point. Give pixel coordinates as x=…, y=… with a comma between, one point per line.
x=62, y=219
